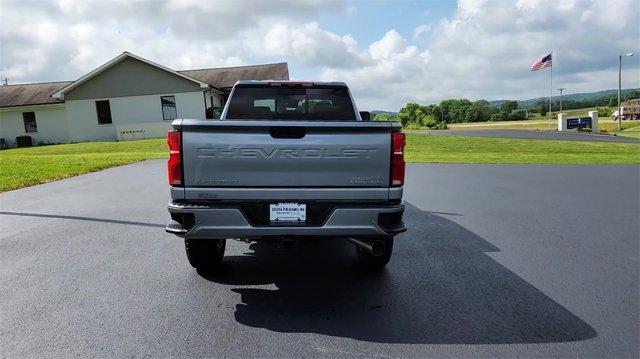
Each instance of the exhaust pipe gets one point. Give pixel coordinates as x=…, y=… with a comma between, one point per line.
x=376, y=247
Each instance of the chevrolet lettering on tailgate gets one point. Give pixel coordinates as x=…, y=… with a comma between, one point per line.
x=283, y=152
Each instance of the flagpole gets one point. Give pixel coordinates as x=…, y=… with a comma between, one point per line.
x=551, y=91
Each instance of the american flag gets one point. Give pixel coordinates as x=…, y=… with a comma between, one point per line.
x=541, y=63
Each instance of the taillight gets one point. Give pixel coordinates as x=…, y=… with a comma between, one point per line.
x=397, y=158
x=174, y=165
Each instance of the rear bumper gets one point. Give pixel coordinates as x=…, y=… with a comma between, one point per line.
x=229, y=221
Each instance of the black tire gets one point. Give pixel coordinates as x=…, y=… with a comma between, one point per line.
x=205, y=254
x=370, y=261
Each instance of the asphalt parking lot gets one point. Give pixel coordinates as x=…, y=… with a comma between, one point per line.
x=499, y=260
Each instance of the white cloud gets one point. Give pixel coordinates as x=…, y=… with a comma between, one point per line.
x=421, y=30
x=388, y=46
x=483, y=50
x=486, y=48
x=309, y=44
x=62, y=40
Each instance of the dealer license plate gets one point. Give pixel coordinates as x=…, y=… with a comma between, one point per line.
x=288, y=212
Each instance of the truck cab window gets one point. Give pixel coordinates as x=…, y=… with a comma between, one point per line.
x=331, y=103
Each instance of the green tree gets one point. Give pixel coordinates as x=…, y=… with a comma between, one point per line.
x=605, y=111
x=630, y=95
x=498, y=116
x=414, y=116
x=508, y=106
x=543, y=110
x=383, y=117
x=482, y=111
x=517, y=115
x=412, y=113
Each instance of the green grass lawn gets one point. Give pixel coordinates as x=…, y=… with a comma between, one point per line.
x=612, y=127
x=456, y=149
x=578, y=112
x=629, y=129
x=506, y=125
x=23, y=167
x=604, y=125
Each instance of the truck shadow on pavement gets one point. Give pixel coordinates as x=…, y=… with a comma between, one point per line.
x=440, y=287
x=81, y=218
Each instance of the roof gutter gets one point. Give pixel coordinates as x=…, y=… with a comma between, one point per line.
x=29, y=106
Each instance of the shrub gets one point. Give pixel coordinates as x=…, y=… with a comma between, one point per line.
x=518, y=115
x=500, y=116
x=430, y=125
x=412, y=126
x=605, y=111
x=431, y=122
x=441, y=126
x=543, y=110
x=382, y=117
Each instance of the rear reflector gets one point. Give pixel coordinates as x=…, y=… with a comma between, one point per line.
x=397, y=158
x=174, y=166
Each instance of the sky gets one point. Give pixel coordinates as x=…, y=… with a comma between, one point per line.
x=389, y=53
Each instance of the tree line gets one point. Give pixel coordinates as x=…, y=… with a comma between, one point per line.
x=611, y=101
x=416, y=116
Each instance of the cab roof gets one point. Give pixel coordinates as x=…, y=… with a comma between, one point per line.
x=291, y=83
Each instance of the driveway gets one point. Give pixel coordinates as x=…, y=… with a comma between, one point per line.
x=498, y=261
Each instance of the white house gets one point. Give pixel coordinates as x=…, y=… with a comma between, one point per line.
x=127, y=98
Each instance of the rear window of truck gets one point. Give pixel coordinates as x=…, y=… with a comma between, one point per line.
x=291, y=103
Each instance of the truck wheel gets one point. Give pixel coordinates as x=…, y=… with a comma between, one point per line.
x=204, y=253
x=368, y=260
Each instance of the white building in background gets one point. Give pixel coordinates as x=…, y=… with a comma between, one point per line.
x=127, y=98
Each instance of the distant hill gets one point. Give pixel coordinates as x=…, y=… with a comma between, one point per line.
x=584, y=96
x=570, y=100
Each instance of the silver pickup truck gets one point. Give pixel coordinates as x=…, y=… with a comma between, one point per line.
x=286, y=161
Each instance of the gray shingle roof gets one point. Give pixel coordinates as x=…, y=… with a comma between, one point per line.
x=223, y=77
x=30, y=94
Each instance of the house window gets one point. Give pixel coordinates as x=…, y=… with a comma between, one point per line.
x=29, y=119
x=103, y=110
x=169, y=111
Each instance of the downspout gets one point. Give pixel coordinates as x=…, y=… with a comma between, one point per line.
x=204, y=97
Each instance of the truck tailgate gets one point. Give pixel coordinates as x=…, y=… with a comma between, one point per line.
x=285, y=154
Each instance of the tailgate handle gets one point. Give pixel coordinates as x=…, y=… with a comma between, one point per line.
x=287, y=132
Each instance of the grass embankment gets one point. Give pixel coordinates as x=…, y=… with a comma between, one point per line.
x=629, y=130
x=455, y=149
x=607, y=126
x=22, y=167
x=535, y=122
x=577, y=112
x=506, y=125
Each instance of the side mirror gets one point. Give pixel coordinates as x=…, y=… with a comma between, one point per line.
x=217, y=113
x=365, y=115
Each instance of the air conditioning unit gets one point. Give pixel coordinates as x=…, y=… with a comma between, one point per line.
x=24, y=141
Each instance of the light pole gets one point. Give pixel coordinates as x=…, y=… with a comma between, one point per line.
x=561, y=89
x=620, y=88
